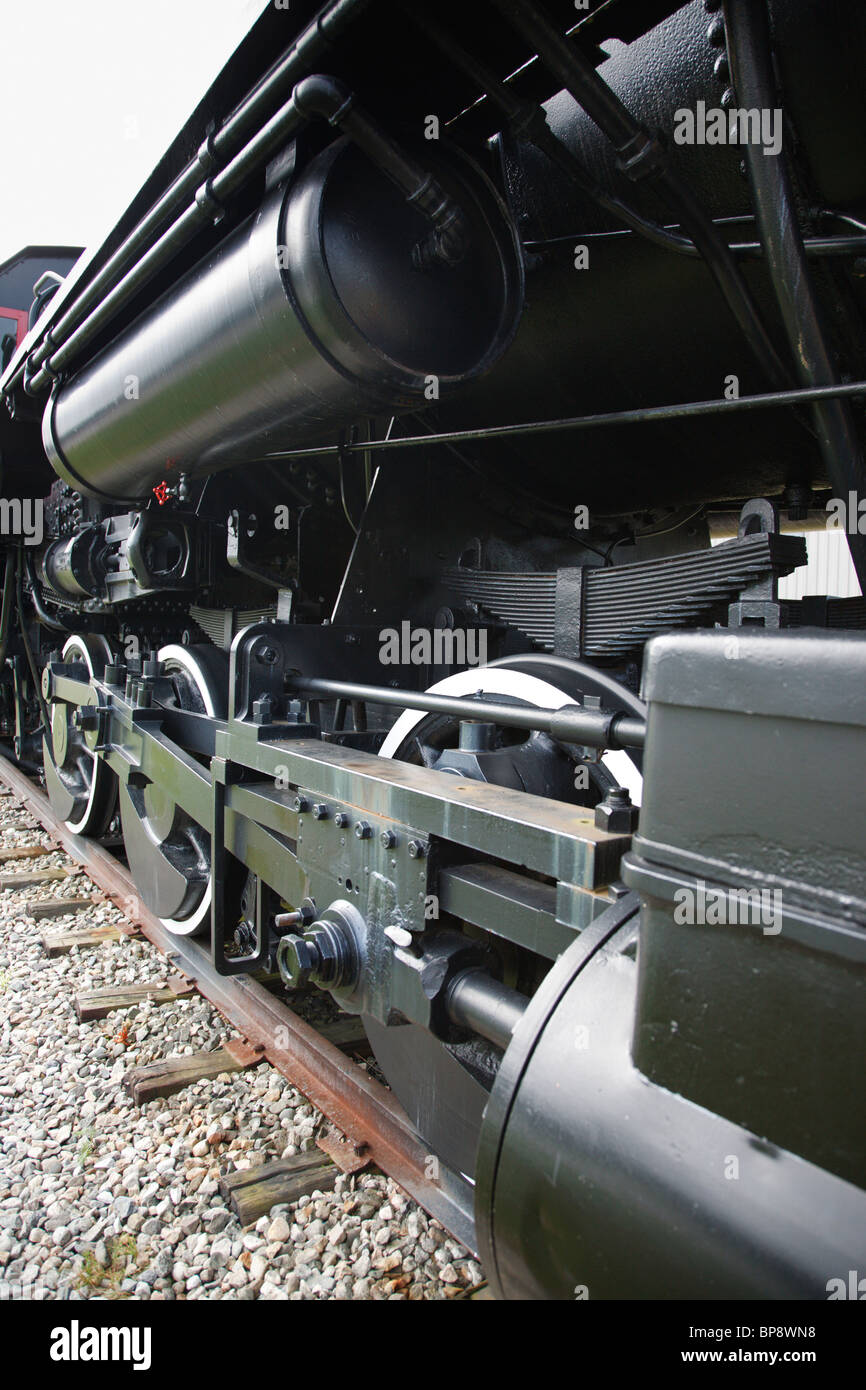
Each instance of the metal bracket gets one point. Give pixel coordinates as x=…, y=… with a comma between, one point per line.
x=758, y=605
x=221, y=770
x=237, y=536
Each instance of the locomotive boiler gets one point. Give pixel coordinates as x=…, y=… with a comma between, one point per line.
x=410, y=475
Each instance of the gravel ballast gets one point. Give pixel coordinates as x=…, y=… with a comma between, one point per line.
x=102, y=1199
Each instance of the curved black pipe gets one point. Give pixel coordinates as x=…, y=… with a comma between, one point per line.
x=328, y=97
x=42, y=615
x=642, y=157
x=527, y=119
x=749, y=47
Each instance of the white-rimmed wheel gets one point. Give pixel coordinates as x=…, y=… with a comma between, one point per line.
x=443, y=1086
x=81, y=787
x=530, y=762
x=169, y=852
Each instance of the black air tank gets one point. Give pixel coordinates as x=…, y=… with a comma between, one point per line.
x=310, y=316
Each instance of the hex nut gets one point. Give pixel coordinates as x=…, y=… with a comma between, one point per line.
x=297, y=959
x=616, y=814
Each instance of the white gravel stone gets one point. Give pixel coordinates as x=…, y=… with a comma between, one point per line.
x=85, y=1173
x=279, y=1231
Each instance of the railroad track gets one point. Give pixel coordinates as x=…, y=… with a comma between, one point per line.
x=367, y=1129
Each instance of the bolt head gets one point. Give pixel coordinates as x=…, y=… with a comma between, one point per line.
x=417, y=849
x=387, y=839
x=362, y=830
x=616, y=814
x=320, y=811
x=296, y=960
x=263, y=709
x=301, y=804
x=341, y=819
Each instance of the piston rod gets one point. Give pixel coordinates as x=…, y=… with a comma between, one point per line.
x=482, y=1005
x=597, y=728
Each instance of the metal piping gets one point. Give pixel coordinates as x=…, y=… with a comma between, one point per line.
x=815, y=247
x=571, y=724
x=42, y=615
x=642, y=156
x=749, y=46
x=333, y=100
x=527, y=119
x=317, y=36
x=642, y=415
x=313, y=96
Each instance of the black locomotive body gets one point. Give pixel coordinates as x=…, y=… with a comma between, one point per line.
x=358, y=496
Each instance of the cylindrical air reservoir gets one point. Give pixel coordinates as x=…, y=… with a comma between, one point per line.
x=308, y=317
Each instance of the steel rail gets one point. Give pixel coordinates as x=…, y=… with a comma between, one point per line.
x=373, y=1122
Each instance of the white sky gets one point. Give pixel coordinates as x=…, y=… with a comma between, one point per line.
x=94, y=91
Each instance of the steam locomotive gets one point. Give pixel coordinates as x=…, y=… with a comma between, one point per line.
x=359, y=496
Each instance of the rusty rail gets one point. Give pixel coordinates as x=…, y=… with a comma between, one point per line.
x=373, y=1123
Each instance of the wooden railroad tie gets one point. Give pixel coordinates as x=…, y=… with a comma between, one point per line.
x=58, y=943
x=171, y=1074
x=32, y=877
x=98, y=1003
x=58, y=907
x=24, y=852
x=347, y=1034
x=253, y=1191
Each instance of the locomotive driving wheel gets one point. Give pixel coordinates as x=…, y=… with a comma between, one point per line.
x=81, y=787
x=444, y=1086
x=168, y=852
